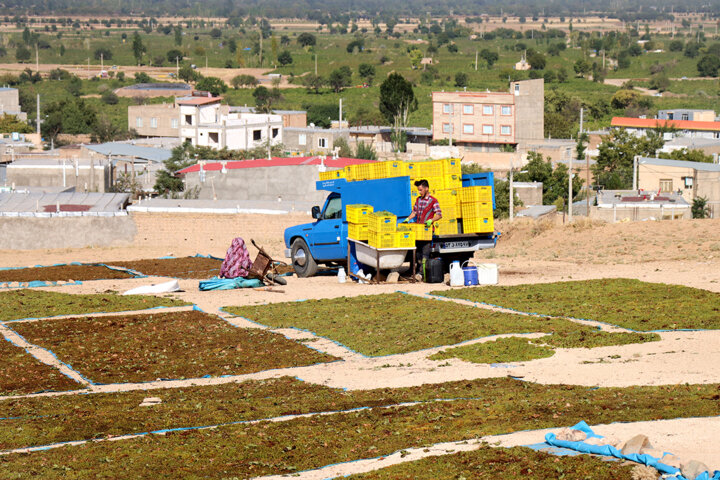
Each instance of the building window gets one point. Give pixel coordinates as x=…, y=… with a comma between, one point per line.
x=214, y=137
x=447, y=108
x=322, y=142
x=506, y=110
x=505, y=130
x=688, y=182
x=469, y=128
x=446, y=128
x=487, y=109
x=487, y=129
x=174, y=123
x=302, y=139
x=188, y=119
x=685, y=116
x=671, y=116
x=275, y=132
x=138, y=122
x=257, y=135
x=468, y=109
x=153, y=122
x=666, y=185
x=517, y=89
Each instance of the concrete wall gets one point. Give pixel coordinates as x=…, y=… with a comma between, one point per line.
x=708, y=186
x=22, y=233
x=529, y=109
x=634, y=214
x=530, y=193
x=292, y=183
x=97, y=179
x=307, y=140
x=649, y=177
x=163, y=114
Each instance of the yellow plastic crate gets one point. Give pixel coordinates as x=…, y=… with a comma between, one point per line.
x=446, y=227
x=381, y=240
x=451, y=166
x=476, y=194
x=422, y=232
x=446, y=197
x=358, y=213
x=364, y=172
x=382, y=222
x=332, y=175
x=477, y=209
x=389, y=169
x=449, y=211
x=358, y=231
x=478, y=225
x=404, y=239
x=452, y=182
x=432, y=168
x=349, y=171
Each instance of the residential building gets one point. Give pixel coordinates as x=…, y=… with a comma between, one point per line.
x=290, y=118
x=158, y=120
x=677, y=128
x=313, y=140
x=490, y=121
x=687, y=179
x=204, y=123
x=622, y=205
x=379, y=137
x=10, y=103
x=687, y=114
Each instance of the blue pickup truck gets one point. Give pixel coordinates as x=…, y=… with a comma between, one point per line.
x=325, y=240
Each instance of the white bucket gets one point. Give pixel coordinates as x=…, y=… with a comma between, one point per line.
x=487, y=274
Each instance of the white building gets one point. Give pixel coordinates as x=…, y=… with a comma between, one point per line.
x=204, y=123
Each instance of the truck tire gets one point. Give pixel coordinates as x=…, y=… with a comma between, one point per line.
x=302, y=260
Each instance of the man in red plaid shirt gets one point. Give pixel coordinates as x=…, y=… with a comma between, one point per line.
x=427, y=211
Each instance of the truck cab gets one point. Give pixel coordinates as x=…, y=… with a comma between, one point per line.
x=325, y=239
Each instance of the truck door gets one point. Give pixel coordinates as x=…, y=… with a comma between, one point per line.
x=329, y=232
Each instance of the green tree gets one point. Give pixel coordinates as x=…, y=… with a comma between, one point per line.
x=264, y=98
x=109, y=98
x=489, y=57
x=536, y=59
x=174, y=55
x=708, y=66
x=416, y=57
x=313, y=82
x=137, y=47
x=71, y=115
x=684, y=154
x=178, y=35
x=103, y=53
x=624, y=98
x=188, y=74
x=306, y=40
x=215, y=33
x=700, y=207
x=581, y=67
x=461, y=79
x=613, y=167
x=74, y=86
x=167, y=182
x=555, y=181
x=244, y=80
x=366, y=72
x=22, y=54
x=339, y=79
x=285, y=58
x=397, y=101
x=213, y=85
x=10, y=123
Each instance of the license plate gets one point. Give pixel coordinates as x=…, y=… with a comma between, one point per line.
x=456, y=244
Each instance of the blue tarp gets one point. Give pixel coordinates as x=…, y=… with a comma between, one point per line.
x=611, y=451
x=229, y=283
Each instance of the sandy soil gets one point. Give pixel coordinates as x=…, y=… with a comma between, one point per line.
x=678, y=252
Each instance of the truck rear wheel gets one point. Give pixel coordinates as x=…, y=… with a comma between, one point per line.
x=302, y=260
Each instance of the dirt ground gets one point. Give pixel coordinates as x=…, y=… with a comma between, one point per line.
x=683, y=252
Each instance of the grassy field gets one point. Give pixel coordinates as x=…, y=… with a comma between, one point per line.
x=623, y=302
x=27, y=303
x=186, y=344
x=482, y=407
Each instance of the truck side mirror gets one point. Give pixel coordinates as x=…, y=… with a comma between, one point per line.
x=316, y=212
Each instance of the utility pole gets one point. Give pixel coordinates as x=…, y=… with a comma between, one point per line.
x=587, y=180
x=37, y=115
x=512, y=193
x=37, y=59
x=340, y=115
x=177, y=67
x=635, y=164
x=316, y=64
x=102, y=62
x=570, y=173
x=261, y=47
x=476, y=60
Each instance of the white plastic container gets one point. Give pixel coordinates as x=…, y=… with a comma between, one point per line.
x=457, y=278
x=487, y=274
x=342, y=277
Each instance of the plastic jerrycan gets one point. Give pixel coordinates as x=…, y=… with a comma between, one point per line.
x=457, y=279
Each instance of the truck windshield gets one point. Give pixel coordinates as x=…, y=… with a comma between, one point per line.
x=333, y=209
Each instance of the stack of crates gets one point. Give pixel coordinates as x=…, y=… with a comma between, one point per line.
x=383, y=232
x=358, y=218
x=477, y=211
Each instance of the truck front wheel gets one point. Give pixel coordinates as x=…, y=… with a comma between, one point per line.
x=302, y=260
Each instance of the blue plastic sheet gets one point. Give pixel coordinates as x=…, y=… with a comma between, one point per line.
x=217, y=283
x=610, y=451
